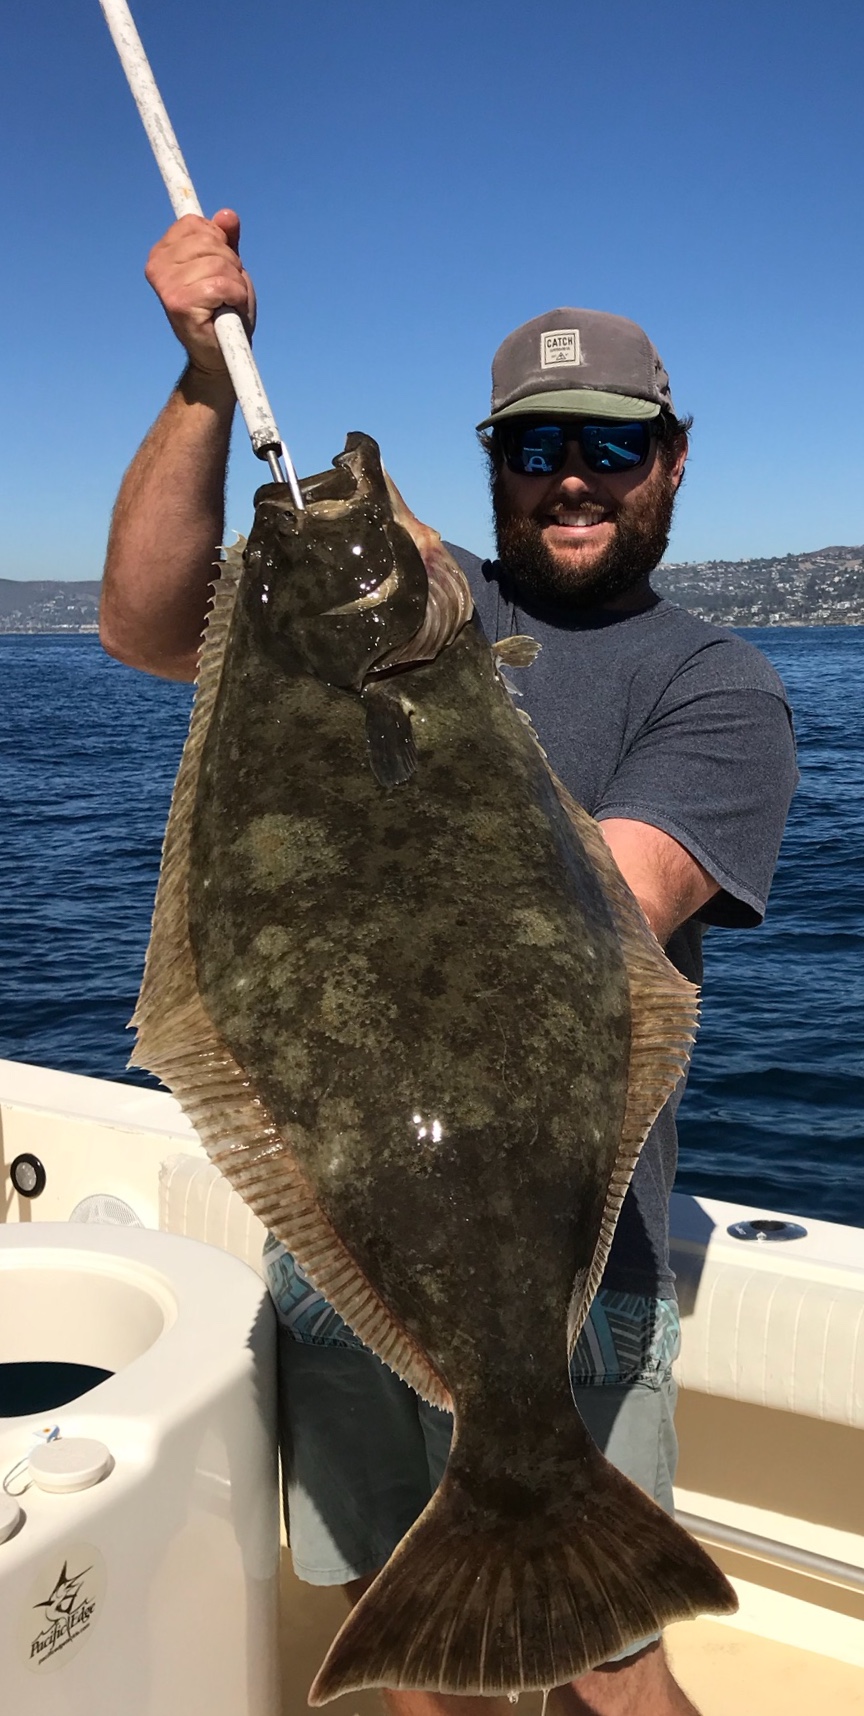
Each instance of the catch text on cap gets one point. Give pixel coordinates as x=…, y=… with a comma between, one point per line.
x=560, y=345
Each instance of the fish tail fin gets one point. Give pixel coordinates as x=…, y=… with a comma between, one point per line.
x=474, y=1603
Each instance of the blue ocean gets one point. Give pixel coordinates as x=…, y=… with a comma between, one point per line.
x=774, y=1111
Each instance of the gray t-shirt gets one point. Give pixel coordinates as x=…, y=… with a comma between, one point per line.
x=660, y=718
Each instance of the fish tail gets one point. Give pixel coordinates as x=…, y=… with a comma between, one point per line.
x=495, y=1593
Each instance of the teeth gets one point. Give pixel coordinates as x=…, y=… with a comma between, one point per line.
x=578, y=520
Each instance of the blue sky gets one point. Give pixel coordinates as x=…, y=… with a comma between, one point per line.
x=416, y=177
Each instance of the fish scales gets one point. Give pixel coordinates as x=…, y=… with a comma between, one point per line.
x=441, y=1009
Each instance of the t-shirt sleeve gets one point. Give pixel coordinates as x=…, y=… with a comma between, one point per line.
x=713, y=765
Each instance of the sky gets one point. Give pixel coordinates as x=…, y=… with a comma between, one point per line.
x=415, y=178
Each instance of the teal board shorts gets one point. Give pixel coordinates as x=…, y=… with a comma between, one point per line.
x=362, y=1453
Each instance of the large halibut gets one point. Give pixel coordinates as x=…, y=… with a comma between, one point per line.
x=401, y=990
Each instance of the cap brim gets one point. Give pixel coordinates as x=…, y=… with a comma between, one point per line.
x=577, y=402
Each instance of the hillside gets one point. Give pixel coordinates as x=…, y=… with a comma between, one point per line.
x=48, y=605
x=822, y=588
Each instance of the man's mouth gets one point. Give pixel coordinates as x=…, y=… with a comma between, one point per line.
x=579, y=519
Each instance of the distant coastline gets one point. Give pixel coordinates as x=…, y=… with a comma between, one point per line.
x=37, y=629
x=821, y=588
x=49, y=605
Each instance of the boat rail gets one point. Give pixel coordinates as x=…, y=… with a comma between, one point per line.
x=767, y=1549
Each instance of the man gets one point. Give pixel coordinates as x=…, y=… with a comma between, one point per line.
x=675, y=735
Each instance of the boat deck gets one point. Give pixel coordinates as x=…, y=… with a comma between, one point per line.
x=725, y=1671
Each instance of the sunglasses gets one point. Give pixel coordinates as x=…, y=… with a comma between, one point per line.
x=540, y=449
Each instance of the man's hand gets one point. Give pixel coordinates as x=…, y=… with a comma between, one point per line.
x=168, y=520
x=194, y=270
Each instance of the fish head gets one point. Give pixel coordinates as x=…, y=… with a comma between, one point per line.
x=340, y=584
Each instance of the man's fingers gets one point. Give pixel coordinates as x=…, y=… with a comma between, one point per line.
x=194, y=269
x=229, y=223
x=205, y=294
x=191, y=237
x=170, y=271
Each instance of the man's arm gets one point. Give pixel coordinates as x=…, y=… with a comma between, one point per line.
x=167, y=525
x=168, y=521
x=667, y=880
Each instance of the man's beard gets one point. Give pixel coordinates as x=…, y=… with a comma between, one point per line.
x=642, y=527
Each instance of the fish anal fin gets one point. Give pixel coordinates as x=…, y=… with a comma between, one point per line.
x=664, y=1011
x=518, y=651
x=389, y=734
x=179, y=1042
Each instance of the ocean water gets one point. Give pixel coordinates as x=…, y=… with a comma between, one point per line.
x=774, y=1112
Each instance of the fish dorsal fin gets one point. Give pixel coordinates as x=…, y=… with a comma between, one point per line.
x=178, y=1041
x=525, y=718
x=664, y=1010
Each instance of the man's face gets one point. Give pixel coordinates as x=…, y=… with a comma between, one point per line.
x=585, y=538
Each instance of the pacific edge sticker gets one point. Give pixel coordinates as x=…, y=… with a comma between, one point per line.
x=63, y=1606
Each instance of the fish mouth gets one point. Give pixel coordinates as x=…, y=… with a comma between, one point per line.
x=372, y=599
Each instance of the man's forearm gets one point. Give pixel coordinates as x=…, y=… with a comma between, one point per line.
x=166, y=529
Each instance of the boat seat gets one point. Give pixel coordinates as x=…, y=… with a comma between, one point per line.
x=195, y=1199
x=775, y=1340
x=777, y=1325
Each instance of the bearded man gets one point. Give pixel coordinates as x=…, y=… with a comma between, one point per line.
x=674, y=734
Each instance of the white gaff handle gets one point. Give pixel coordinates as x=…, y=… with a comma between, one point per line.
x=230, y=331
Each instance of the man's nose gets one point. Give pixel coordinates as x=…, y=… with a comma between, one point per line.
x=574, y=474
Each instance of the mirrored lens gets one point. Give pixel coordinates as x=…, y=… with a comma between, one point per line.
x=536, y=449
x=614, y=446
x=540, y=449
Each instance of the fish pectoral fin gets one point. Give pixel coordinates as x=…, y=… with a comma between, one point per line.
x=389, y=735
x=518, y=651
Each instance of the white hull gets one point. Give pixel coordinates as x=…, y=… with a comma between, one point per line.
x=770, y=1416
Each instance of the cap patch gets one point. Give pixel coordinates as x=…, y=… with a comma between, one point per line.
x=560, y=345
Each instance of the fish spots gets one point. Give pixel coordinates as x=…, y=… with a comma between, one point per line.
x=394, y=838
x=432, y=983
x=339, y=1127
x=533, y=928
x=262, y=979
x=477, y=1109
x=352, y=1008
x=281, y=851
x=272, y=941
x=293, y=1068
x=488, y=826
x=340, y=1115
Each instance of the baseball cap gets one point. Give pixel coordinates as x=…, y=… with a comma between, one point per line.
x=581, y=361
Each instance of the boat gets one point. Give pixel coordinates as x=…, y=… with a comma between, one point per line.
x=770, y=1416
